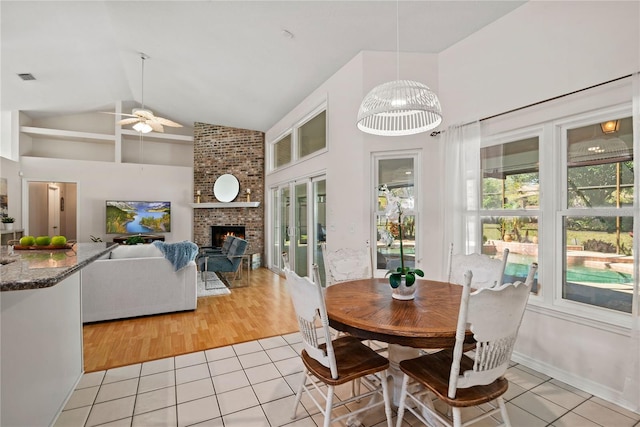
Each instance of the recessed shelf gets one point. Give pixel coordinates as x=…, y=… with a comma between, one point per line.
x=68, y=134
x=224, y=205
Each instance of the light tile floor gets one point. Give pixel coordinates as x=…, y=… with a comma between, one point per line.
x=252, y=385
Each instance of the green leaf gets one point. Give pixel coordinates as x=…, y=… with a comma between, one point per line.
x=394, y=280
x=419, y=272
x=410, y=278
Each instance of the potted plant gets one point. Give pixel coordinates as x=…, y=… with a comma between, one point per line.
x=8, y=221
x=134, y=240
x=402, y=278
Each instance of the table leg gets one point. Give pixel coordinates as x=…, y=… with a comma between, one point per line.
x=398, y=353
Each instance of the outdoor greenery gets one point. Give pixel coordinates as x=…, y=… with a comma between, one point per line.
x=595, y=185
x=590, y=240
x=608, y=185
x=520, y=191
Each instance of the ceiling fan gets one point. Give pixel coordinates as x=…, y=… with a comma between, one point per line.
x=143, y=119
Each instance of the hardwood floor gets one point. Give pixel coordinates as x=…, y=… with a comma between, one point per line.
x=261, y=309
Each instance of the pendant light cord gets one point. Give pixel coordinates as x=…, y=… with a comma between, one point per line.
x=143, y=57
x=397, y=40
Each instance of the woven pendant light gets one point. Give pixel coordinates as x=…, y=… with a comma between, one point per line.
x=400, y=107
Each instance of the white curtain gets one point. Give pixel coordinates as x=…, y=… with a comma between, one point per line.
x=462, y=187
x=632, y=380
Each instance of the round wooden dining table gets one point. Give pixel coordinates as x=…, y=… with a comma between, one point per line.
x=365, y=309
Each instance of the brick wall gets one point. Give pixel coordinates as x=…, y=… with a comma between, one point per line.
x=218, y=150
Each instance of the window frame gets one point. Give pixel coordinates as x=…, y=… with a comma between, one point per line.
x=506, y=138
x=294, y=131
x=591, y=106
x=561, y=126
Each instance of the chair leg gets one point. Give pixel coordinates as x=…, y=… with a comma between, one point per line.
x=386, y=397
x=299, y=395
x=503, y=412
x=402, y=399
x=457, y=417
x=328, y=407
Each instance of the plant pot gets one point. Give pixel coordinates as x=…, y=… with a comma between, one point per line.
x=404, y=292
x=8, y=226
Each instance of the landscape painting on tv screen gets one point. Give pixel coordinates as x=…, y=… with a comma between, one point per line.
x=126, y=217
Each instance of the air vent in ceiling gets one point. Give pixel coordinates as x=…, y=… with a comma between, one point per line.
x=26, y=76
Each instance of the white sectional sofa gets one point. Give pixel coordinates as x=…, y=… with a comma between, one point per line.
x=136, y=281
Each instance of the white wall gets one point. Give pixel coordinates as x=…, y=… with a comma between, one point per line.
x=348, y=160
x=539, y=51
x=8, y=135
x=9, y=170
x=101, y=181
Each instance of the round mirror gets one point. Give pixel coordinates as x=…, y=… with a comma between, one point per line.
x=226, y=188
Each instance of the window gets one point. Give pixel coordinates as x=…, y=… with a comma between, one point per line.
x=597, y=222
x=312, y=136
x=398, y=174
x=304, y=139
x=511, y=203
x=282, y=152
x=562, y=193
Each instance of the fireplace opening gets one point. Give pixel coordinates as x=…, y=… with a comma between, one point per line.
x=220, y=232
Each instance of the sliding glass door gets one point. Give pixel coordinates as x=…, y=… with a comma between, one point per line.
x=298, y=225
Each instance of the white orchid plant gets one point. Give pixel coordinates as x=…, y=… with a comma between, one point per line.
x=394, y=210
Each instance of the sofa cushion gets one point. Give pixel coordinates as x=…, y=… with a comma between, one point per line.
x=136, y=251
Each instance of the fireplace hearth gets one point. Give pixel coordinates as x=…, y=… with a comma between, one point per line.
x=220, y=232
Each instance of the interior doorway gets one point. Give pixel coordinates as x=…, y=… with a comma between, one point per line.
x=51, y=209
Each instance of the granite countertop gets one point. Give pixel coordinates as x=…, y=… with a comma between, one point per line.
x=35, y=269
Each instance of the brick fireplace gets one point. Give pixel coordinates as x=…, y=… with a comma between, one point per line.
x=218, y=150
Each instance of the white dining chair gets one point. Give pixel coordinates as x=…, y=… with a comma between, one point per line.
x=334, y=362
x=487, y=271
x=345, y=264
x=459, y=380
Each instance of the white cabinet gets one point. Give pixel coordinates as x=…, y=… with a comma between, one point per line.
x=41, y=358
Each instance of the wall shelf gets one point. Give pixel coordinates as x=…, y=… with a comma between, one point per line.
x=224, y=205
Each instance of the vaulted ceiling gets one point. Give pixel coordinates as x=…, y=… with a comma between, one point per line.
x=236, y=63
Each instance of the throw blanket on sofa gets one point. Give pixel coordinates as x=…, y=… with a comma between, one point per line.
x=179, y=254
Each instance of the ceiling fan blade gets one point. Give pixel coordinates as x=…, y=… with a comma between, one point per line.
x=157, y=127
x=167, y=122
x=128, y=121
x=118, y=114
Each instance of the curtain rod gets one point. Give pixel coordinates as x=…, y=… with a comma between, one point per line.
x=436, y=133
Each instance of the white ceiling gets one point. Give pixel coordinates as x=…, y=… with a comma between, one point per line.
x=218, y=62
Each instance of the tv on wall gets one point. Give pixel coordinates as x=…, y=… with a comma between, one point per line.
x=131, y=217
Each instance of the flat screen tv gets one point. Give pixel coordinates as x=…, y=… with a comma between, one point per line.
x=131, y=217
